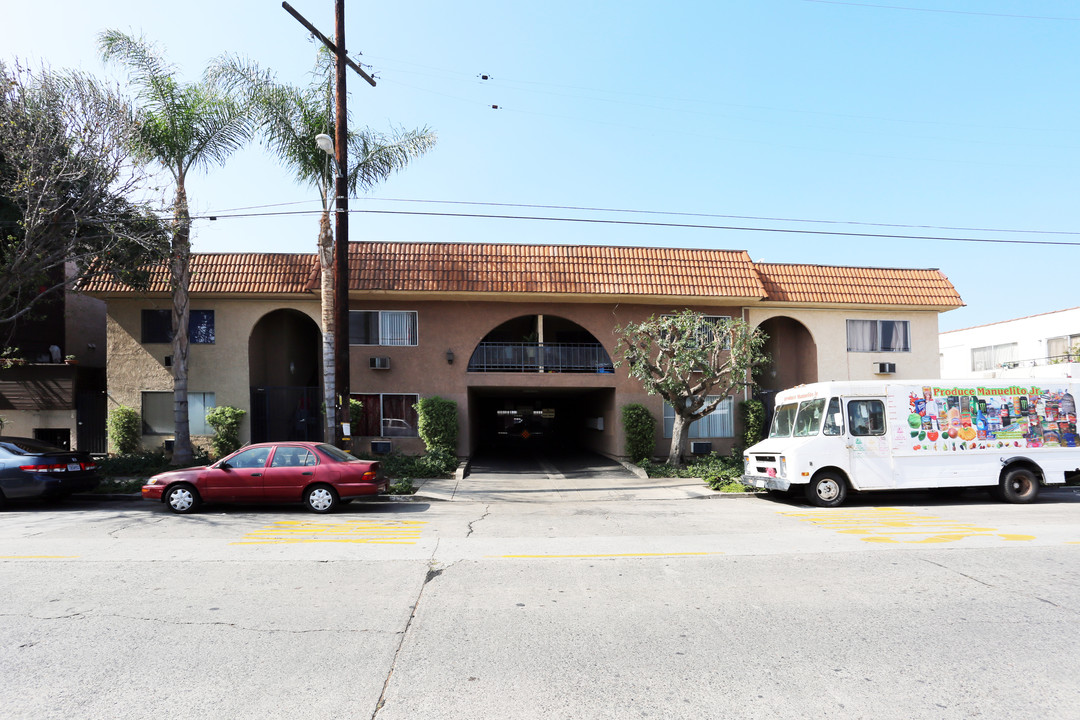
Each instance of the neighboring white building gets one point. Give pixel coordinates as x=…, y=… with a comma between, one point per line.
x=1045, y=345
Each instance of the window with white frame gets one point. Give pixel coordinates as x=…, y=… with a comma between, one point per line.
x=382, y=327
x=1063, y=348
x=720, y=423
x=878, y=336
x=158, y=416
x=993, y=356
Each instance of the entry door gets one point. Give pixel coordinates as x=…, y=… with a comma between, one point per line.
x=868, y=444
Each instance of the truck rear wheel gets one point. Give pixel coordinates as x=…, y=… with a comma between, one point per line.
x=1020, y=485
x=826, y=490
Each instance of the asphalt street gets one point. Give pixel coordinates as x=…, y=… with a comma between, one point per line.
x=897, y=606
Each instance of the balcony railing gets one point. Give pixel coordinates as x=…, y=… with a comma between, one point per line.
x=540, y=357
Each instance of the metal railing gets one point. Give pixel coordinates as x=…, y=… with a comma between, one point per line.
x=540, y=357
x=1069, y=357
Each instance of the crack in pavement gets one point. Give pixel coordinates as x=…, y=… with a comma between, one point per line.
x=433, y=572
x=487, y=511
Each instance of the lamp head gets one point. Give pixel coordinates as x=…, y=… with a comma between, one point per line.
x=325, y=143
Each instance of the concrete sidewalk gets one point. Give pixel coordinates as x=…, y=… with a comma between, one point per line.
x=535, y=489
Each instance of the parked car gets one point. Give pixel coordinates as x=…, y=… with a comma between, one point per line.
x=32, y=469
x=319, y=475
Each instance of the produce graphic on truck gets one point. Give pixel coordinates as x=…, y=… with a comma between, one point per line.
x=830, y=438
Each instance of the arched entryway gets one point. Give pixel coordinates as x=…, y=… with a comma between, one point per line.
x=284, y=370
x=793, y=358
x=541, y=383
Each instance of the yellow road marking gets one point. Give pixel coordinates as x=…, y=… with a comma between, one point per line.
x=610, y=555
x=893, y=525
x=358, y=532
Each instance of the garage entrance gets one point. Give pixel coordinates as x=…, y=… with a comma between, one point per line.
x=551, y=421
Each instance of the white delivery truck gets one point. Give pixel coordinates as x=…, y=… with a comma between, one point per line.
x=1011, y=435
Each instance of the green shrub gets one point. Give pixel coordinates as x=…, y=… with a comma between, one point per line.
x=398, y=466
x=437, y=423
x=752, y=419
x=125, y=429
x=226, y=423
x=720, y=472
x=356, y=411
x=401, y=487
x=639, y=427
x=143, y=463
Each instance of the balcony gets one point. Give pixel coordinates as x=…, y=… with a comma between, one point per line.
x=540, y=358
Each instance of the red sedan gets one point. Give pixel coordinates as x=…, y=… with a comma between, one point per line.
x=320, y=475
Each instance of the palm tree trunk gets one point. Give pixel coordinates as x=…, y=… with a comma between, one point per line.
x=180, y=268
x=326, y=265
x=678, y=440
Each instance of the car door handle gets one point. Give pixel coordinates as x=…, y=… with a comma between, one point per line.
x=256, y=474
x=307, y=473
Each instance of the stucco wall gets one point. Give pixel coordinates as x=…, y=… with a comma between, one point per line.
x=1029, y=333
x=828, y=327
x=458, y=326
x=221, y=368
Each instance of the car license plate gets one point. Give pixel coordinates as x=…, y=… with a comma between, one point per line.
x=74, y=467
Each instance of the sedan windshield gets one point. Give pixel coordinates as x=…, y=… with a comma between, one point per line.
x=782, y=420
x=808, y=421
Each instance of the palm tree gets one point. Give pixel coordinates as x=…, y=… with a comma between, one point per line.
x=182, y=126
x=289, y=118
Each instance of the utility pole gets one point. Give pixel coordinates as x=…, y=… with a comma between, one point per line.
x=341, y=216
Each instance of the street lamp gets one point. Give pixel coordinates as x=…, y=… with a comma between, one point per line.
x=341, y=281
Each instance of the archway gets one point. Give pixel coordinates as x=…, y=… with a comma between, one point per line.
x=793, y=358
x=284, y=371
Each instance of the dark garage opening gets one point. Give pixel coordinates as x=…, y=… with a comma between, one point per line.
x=551, y=421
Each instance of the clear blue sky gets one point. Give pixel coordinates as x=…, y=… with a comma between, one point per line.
x=951, y=114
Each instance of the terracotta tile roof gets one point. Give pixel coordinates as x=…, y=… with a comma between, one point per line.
x=560, y=269
x=556, y=269
x=271, y=273
x=857, y=285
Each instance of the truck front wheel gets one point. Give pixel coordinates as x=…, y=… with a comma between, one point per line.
x=1020, y=485
x=826, y=490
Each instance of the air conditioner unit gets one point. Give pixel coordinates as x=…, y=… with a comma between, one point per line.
x=884, y=368
x=379, y=363
x=381, y=447
x=700, y=448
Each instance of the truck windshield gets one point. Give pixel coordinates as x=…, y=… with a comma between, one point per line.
x=782, y=421
x=808, y=420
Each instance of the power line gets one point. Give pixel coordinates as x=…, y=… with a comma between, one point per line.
x=692, y=226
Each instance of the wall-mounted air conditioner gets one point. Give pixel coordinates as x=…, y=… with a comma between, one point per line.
x=381, y=447
x=700, y=448
x=884, y=368
x=379, y=363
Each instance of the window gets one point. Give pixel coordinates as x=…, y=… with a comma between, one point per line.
x=717, y=424
x=157, y=326
x=878, y=336
x=387, y=415
x=291, y=456
x=382, y=327
x=783, y=419
x=158, y=417
x=834, y=419
x=1065, y=348
x=808, y=419
x=866, y=417
x=993, y=356
x=252, y=458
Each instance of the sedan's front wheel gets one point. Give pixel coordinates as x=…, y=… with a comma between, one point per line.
x=182, y=499
x=321, y=499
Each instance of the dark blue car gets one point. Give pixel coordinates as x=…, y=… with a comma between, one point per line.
x=32, y=469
